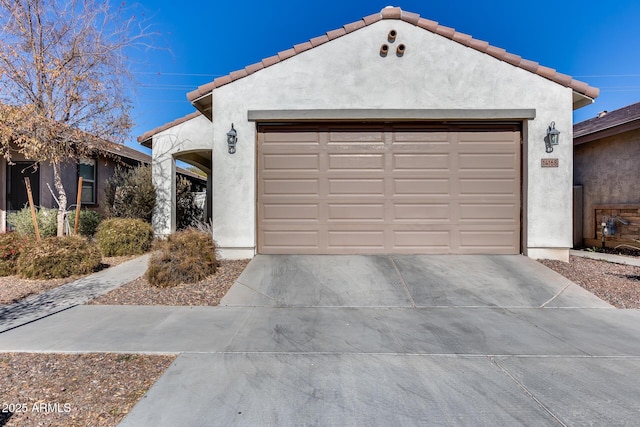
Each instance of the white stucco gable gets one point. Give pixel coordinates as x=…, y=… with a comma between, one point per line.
x=346, y=77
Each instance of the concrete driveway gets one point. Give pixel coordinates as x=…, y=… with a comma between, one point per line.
x=374, y=340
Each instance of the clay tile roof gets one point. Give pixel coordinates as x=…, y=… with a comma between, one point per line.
x=145, y=137
x=254, y=67
x=414, y=19
x=317, y=41
x=349, y=28
x=607, y=121
x=391, y=13
x=299, y=48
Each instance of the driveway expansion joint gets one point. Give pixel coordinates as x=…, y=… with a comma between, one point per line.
x=528, y=392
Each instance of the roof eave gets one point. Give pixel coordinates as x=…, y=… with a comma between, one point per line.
x=204, y=104
x=581, y=100
x=606, y=132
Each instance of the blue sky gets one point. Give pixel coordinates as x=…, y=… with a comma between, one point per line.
x=597, y=42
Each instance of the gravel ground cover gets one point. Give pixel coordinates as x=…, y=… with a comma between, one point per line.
x=618, y=284
x=206, y=292
x=13, y=288
x=74, y=389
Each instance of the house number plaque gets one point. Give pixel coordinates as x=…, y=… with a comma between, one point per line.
x=549, y=163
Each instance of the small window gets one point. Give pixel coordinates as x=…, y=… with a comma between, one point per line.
x=87, y=170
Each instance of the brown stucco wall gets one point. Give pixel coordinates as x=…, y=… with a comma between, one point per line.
x=609, y=171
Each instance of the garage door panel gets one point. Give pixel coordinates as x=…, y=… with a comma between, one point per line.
x=488, y=161
x=289, y=138
x=435, y=241
x=356, y=212
x=413, y=161
x=355, y=186
x=291, y=239
x=500, y=241
x=389, y=189
x=407, y=137
x=284, y=162
x=488, y=186
x=273, y=187
x=422, y=212
x=356, y=162
x=355, y=138
x=421, y=186
x=363, y=239
x=488, y=138
x=290, y=212
x=493, y=212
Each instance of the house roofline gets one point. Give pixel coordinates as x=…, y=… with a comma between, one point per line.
x=145, y=138
x=200, y=97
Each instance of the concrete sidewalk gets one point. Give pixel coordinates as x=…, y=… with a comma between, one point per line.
x=71, y=294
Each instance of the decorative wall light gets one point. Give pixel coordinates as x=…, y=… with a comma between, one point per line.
x=552, y=138
x=232, y=139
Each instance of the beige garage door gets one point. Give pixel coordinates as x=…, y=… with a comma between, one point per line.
x=381, y=188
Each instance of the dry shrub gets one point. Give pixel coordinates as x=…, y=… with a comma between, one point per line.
x=124, y=236
x=185, y=257
x=58, y=257
x=11, y=246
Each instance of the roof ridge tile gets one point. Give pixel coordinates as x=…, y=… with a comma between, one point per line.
x=447, y=32
x=409, y=17
x=317, y=41
x=334, y=34
x=349, y=28
x=391, y=13
x=427, y=24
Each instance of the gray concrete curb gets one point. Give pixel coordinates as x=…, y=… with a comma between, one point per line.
x=606, y=257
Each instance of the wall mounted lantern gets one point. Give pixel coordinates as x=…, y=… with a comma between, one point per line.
x=232, y=139
x=552, y=138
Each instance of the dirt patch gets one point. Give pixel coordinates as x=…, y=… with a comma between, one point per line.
x=74, y=389
x=618, y=284
x=206, y=292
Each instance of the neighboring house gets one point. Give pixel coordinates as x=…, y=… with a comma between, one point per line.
x=606, y=156
x=392, y=134
x=94, y=171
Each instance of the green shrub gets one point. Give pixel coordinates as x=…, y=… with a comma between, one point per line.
x=11, y=246
x=58, y=257
x=129, y=193
x=185, y=257
x=22, y=223
x=187, y=211
x=124, y=236
x=89, y=221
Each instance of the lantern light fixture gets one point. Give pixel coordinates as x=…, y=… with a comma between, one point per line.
x=232, y=139
x=552, y=138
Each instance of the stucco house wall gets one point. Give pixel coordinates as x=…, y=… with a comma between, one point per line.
x=609, y=171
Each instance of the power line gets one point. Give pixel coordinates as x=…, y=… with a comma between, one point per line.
x=160, y=73
x=608, y=75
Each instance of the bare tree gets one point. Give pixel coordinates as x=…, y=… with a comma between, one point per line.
x=64, y=79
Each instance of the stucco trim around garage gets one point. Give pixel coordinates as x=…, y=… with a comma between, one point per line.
x=391, y=114
x=583, y=93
